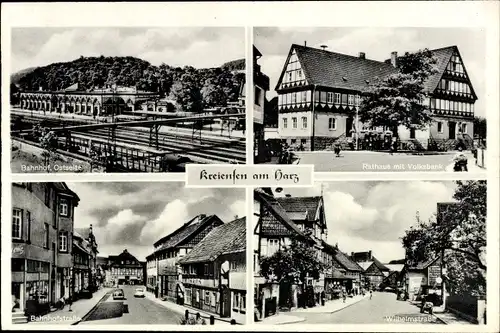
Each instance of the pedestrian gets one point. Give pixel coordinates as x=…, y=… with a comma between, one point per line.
x=336, y=149
x=344, y=296
x=70, y=302
x=371, y=293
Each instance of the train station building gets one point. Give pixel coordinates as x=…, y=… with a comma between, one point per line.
x=106, y=101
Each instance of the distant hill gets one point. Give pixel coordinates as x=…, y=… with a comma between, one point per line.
x=14, y=78
x=235, y=65
x=188, y=85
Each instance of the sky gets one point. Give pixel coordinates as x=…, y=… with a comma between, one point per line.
x=134, y=215
x=364, y=216
x=377, y=43
x=197, y=47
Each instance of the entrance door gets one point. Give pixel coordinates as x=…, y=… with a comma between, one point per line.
x=226, y=303
x=16, y=293
x=452, y=129
x=412, y=133
x=348, y=126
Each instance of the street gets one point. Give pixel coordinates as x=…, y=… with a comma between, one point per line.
x=381, y=162
x=140, y=311
x=383, y=308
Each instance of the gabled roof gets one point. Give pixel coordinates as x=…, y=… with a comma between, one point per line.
x=185, y=231
x=347, y=262
x=394, y=267
x=224, y=239
x=63, y=188
x=332, y=69
x=308, y=205
x=84, y=232
x=367, y=259
x=337, y=70
x=278, y=212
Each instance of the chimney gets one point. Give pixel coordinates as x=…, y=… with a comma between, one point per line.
x=288, y=195
x=352, y=254
x=394, y=59
x=201, y=217
x=370, y=254
x=125, y=251
x=91, y=229
x=305, y=43
x=362, y=55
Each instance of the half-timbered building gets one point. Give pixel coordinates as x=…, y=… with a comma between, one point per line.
x=319, y=93
x=169, y=249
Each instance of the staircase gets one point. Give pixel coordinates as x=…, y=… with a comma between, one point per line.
x=19, y=318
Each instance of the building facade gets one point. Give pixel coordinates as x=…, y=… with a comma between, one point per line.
x=214, y=272
x=169, y=249
x=261, y=86
x=274, y=230
x=95, y=278
x=107, y=101
x=81, y=266
x=319, y=93
x=151, y=273
x=125, y=269
x=42, y=230
x=374, y=270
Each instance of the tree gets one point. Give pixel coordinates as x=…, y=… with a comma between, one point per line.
x=213, y=94
x=399, y=99
x=49, y=143
x=480, y=127
x=292, y=264
x=458, y=231
x=187, y=93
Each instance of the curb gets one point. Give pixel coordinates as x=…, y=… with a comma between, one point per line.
x=440, y=320
x=91, y=310
x=348, y=305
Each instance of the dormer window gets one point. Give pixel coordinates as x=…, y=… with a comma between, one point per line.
x=344, y=78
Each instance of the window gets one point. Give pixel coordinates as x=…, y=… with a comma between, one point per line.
x=63, y=207
x=303, y=142
x=337, y=98
x=351, y=99
x=46, y=235
x=358, y=100
x=207, y=298
x=258, y=94
x=28, y=226
x=344, y=99
x=289, y=77
x=234, y=265
x=464, y=128
x=332, y=124
x=63, y=241
x=299, y=75
x=330, y=97
x=17, y=223
x=273, y=246
x=304, y=96
x=440, y=127
x=293, y=141
x=304, y=122
x=294, y=122
x=285, y=123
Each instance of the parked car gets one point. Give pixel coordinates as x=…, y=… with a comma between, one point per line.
x=118, y=294
x=139, y=292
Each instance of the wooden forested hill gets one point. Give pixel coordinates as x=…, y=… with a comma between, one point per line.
x=213, y=85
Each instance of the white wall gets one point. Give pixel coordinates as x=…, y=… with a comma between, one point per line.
x=295, y=132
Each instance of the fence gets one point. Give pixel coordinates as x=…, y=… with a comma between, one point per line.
x=200, y=320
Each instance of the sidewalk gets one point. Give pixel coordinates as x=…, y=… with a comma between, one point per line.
x=280, y=319
x=451, y=319
x=182, y=309
x=446, y=317
x=334, y=305
x=78, y=310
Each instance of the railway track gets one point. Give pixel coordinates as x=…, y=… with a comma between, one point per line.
x=211, y=149
x=208, y=151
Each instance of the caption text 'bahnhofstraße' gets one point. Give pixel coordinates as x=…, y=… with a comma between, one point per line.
x=279, y=175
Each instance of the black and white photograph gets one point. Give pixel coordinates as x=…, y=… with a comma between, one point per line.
x=177, y=258
x=371, y=99
x=371, y=252
x=126, y=99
